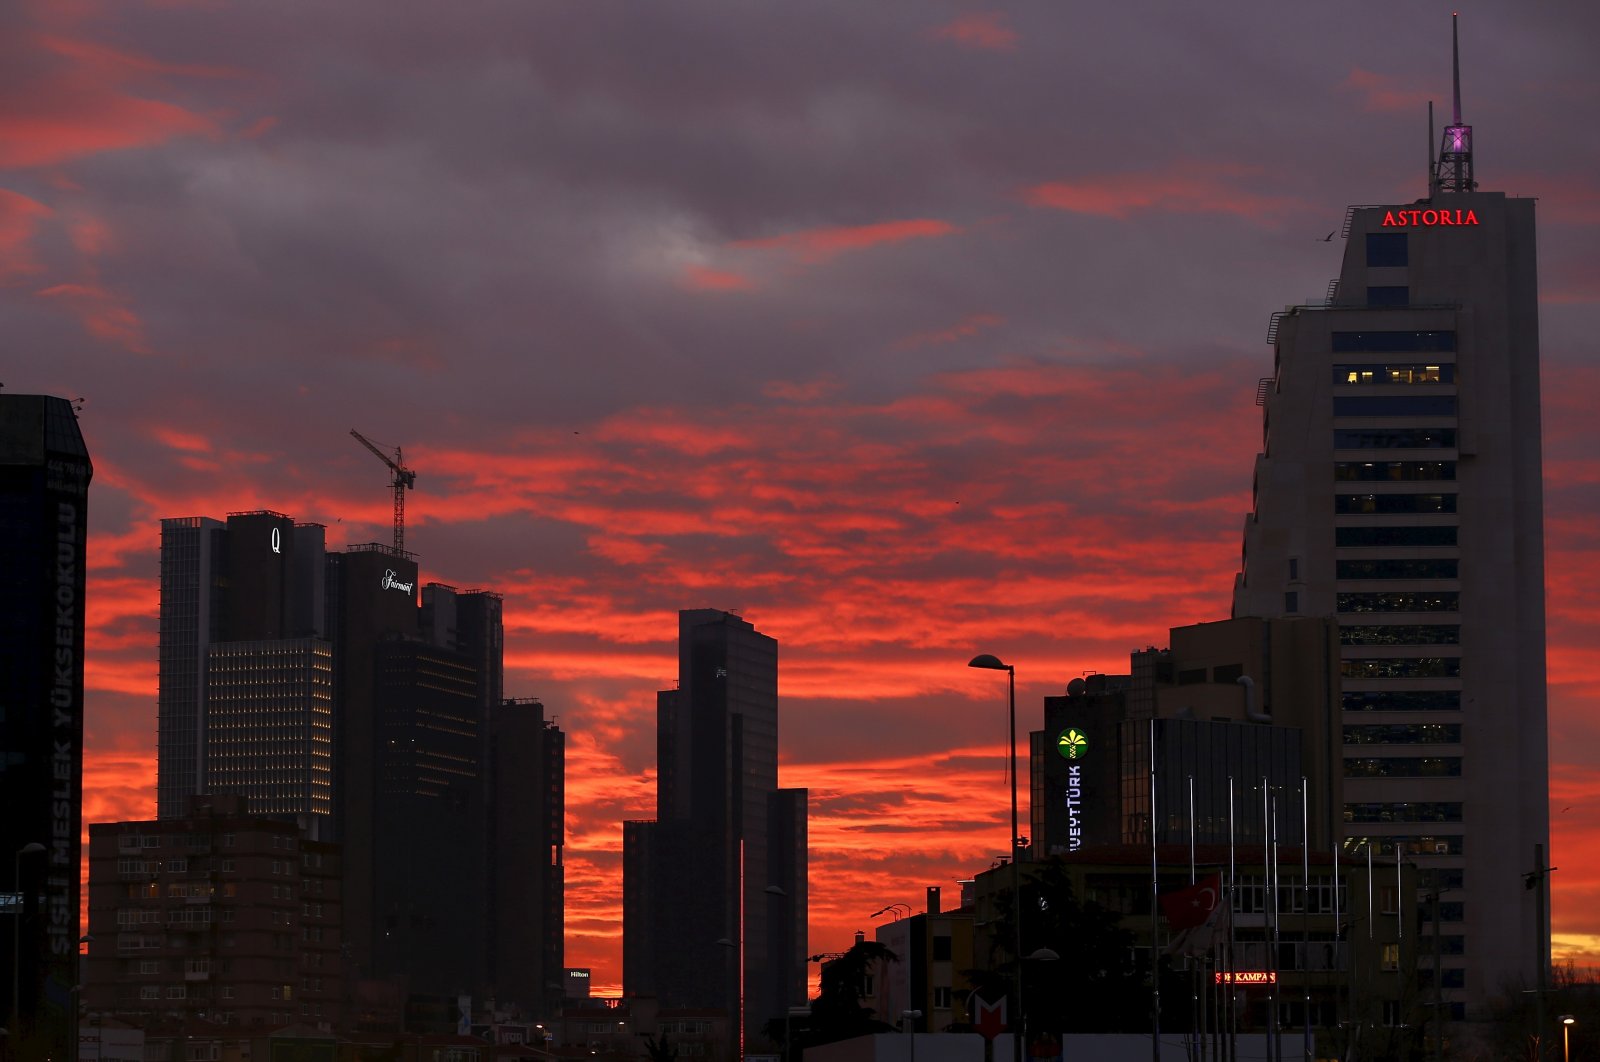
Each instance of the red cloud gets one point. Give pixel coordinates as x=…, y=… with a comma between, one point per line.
x=984, y=30
x=103, y=314
x=820, y=245
x=702, y=278
x=19, y=216
x=969, y=325
x=1381, y=92
x=1192, y=188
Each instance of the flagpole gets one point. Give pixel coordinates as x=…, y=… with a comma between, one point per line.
x=1339, y=961
x=1305, y=913
x=1155, y=966
x=1229, y=964
x=1194, y=979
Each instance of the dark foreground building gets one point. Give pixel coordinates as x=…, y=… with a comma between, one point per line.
x=44, y=486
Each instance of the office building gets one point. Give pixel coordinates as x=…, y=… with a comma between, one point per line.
x=213, y=920
x=44, y=488
x=1399, y=488
x=527, y=883
x=721, y=922
x=244, y=703
x=1230, y=706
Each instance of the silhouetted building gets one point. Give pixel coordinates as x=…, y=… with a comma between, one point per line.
x=721, y=919
x=526, y=865
x=216, y=918
x=245, y=701
x=44, y=487
x=1399, y=488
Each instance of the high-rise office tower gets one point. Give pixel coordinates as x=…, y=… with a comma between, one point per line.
x=720, y=919
x=1399, y=489
x=245, y=697
x=44, y=488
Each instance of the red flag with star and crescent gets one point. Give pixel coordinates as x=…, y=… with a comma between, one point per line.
x=1191, y=906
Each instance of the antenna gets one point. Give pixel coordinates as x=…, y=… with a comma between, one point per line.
x=1454, y=170
x=1433, y=168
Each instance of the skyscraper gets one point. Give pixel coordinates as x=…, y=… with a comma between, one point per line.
x=1399, y=488
x=721, y=922
x=44, y=487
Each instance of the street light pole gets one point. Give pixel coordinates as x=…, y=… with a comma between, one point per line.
x=989, y=662
x=1567, y=1022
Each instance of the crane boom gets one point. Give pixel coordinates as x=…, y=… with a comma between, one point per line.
x=404, y=478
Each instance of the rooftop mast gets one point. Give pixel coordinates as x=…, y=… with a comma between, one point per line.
x=1454, y=173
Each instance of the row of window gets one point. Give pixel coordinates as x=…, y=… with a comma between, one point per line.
x=1395, y=406
x=1407, y=342
x=1401, y=634
x=1363, y=504
x=1409, y=537
x=1403, y=734
x=1401, y=373
x=1385, y=667
x=1397, y=569
x=1402, y=811
x=1391, y=471
x=1394, y=438
x=1387, y=845
x=1403, y=767
x=1400, y=601
x=1401, y=700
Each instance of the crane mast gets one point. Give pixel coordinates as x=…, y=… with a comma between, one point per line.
x=404, y=478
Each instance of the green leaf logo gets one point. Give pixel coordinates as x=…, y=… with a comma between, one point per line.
x=1072, y=744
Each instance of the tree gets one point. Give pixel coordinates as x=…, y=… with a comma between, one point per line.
x=838, y=1012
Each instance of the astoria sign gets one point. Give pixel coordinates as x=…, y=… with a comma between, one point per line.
x=1430, y=218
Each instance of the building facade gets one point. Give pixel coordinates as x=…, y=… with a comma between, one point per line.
x=1399, y=489
x=216, y=919
x=44, y=488
x=732, y=932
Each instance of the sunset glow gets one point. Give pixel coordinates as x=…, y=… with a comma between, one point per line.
x=911, y=333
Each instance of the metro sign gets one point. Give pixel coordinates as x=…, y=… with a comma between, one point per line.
x=1428, y=219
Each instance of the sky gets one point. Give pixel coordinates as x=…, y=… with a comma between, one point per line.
x=911, y=330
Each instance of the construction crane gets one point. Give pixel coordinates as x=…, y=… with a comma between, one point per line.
x=403, y=478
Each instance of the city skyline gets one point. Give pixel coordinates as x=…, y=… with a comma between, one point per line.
x=913, y=334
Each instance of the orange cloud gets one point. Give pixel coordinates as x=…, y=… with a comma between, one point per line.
x=983, y=30
x=813, y=246
x=1191, y=188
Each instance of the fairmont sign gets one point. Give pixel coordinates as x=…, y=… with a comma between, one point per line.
x=1430, y=218
x=389, y=582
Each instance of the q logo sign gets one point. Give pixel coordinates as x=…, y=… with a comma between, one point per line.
x=277, y=540
x=1072, y=743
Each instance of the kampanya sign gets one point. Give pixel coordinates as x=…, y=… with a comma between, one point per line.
x=1427, y=218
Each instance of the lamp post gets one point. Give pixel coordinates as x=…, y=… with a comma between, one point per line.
x=32, y=848
x=1567, y=1022
x=989, y=662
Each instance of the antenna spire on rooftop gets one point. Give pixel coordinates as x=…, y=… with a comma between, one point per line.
x=1454, y=172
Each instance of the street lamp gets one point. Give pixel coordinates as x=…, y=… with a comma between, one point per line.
x=911, y=1016
x=1567, y=1022
x=32, y=848
x=989, y=662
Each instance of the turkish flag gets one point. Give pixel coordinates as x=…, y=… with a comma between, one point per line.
x=1191, y=906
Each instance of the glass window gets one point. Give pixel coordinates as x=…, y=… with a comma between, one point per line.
x=1393, y=471
x=1395, y=373
x=1388, y=295
x=1403, y=767
x=1416, y=342
x=1387, y=250
x=1395, y=406
x=1402, y=701
x=1401, y=634
x=1401, y=601
x=1397, y=569
x=1437, y=811
x=1394, y=503
x=1401, y=667
x=1391, y=956
x=1429, y=535
x=1394, y=438
x=1403, y=734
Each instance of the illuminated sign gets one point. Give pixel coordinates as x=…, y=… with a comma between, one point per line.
x=1074, y=808
x=389, y=582
x=1247, y=977
x=1072, y=743
x=277, y=540
x=1429, y=218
